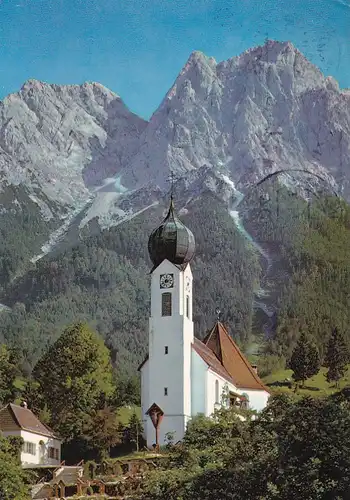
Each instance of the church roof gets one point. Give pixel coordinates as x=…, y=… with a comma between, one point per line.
x=231, y=359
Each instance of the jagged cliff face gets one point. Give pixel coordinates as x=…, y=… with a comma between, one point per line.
x=54, y=138
x=265, y=110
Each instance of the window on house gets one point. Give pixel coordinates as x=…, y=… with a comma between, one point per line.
x=53, y=453
x=29, y=448
x=166, y=350
x=217, y=391
x=166, y=304
x=188, y=306
x=165, y=391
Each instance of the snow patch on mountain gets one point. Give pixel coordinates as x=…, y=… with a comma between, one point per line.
x=45, y=210
x=57, y=236
x=105, y=204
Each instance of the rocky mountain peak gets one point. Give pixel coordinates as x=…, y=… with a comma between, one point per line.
x=265, y=110
x=52, y=138
x=271, y=52
x=247, y=116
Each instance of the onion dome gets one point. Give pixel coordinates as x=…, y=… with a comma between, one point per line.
x=172, y=240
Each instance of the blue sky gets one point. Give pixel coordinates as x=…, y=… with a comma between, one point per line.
x=137, y=47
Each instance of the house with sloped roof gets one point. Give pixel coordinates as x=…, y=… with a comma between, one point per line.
x=41, y=446
x=183, y=376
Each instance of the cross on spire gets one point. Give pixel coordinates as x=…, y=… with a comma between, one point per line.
x=218, y=312
x=171, y=179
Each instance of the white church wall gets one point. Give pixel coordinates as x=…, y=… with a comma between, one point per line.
x=170, y=346
x=198, y=384
x=216, y=387
x=257, y=399
x=177, y=291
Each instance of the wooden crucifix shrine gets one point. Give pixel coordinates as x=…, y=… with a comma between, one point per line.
x=156, y=415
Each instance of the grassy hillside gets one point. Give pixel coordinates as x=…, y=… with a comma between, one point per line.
x=316, y=386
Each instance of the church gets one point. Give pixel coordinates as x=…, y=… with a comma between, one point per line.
x=181, y=375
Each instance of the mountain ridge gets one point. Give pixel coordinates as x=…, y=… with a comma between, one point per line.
x=239, y=117
x=257, y=101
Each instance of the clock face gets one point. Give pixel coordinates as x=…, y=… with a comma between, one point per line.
x=166, y=280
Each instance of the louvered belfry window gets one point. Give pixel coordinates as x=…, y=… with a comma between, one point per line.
x=166, y=304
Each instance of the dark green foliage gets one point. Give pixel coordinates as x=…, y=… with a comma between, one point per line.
x=294, y=449
x=309, y=277
x=8, y=372
x=22, y=231
x=226, y=270
x=12, y=477
x=105, y=281
x=305, y=360
x=270, y=363
x=75, y=380
x=337, y=356
x=15, y=444
x=128, y=390
x=102, y=432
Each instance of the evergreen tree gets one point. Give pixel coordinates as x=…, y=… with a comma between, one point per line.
x=337, y=357
x=305, y=360
x=135, y=431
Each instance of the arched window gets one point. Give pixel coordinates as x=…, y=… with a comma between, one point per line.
x=188, y=306
x=217, y=392
x=166, y=304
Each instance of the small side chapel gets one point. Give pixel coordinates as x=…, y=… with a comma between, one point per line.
x=183, y=376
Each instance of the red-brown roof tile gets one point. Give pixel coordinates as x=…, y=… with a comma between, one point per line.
x=231, y=358
x=211, y=360
x=26, y=420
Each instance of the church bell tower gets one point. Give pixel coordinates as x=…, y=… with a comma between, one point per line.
x=166, y=381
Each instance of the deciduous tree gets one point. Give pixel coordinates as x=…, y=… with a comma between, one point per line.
x=102, y=432
x=75, y=377
x=12, y=476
